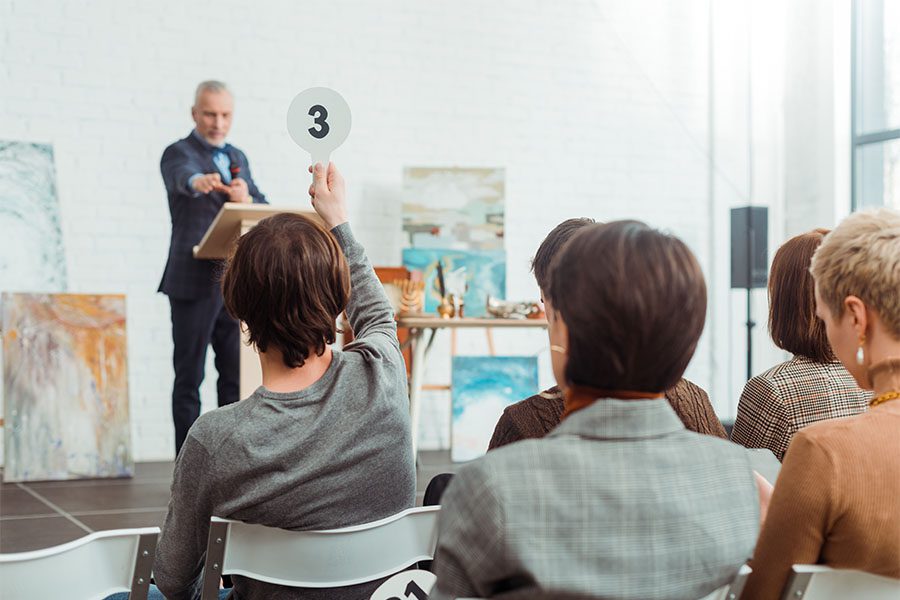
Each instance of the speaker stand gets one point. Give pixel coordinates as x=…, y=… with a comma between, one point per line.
x=750, y=324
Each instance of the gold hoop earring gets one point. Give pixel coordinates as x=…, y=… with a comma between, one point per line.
x=559, y=349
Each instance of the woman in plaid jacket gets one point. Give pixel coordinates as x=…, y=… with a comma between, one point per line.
x=813, y=385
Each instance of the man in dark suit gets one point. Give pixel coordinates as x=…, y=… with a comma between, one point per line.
x=201, y=173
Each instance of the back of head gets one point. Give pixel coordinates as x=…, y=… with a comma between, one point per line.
x=793, y=324
x=288, y=281
x=861, y=258
x=550, y=247
x=634, y=303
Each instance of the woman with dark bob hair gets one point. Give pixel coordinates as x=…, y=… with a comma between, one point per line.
x=837, y=500
x=619, y=500
x=813, y=385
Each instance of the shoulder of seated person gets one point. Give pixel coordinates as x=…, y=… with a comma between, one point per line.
x=213, y=423
x=797, y=367
x=778, y=377
x=539, y=401
x=824, y=433
x=509, y=461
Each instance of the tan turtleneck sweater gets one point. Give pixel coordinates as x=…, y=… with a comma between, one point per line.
x=837, y=502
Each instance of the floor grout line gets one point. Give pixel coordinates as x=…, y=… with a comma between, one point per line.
x=118, y=511
x=20, y=517
x=55, y=507
x=82, y=483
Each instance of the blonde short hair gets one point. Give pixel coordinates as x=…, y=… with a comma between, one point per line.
x=861, y=258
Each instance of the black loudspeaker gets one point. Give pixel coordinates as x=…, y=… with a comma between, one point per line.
x=749, y=247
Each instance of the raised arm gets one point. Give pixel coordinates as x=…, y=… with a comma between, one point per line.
x=369, y=309
x=176, y=170
x=181, y=175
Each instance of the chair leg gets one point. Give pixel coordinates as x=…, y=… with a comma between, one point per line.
x=215, y=556
x=143, y=565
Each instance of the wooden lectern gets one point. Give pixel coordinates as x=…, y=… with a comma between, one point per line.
x=233, y=221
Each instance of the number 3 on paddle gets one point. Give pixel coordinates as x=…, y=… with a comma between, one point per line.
x=330, y=126
x=319, y=114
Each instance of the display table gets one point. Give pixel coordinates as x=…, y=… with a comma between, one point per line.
x=419, y=324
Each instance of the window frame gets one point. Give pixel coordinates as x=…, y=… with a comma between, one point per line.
x=859, y=140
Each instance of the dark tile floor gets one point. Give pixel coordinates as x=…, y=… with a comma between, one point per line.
x=42, y=514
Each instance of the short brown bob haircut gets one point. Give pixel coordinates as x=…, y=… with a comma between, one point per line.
x=793, y=323
x=550, y=247
x=287, y=282
x=634, y=302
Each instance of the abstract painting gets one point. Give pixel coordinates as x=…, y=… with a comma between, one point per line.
x=482, y=387
x=455, y=208
x=31, y=247
x=65, y=387
x=485, y=272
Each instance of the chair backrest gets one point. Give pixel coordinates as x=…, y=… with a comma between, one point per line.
x=319, y=559
x=817, y=582
x=95, y=566
x=733, y=590
x=413, y=584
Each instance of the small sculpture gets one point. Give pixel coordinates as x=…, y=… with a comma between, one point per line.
x=446, y=308
x=507, y=309
x=412, y=295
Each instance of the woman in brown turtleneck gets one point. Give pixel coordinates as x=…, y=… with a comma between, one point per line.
x=837, y=500
x=534, y=417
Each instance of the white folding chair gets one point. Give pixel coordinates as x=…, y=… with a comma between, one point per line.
x=818, y=582
x=733, y=590
x=318, y=559
x=92, y=567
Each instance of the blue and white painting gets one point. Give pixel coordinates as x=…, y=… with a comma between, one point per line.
x=453, y=207
x=31, y=245
x=485, y=275
x=482, y=387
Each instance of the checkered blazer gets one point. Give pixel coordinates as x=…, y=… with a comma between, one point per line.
x=778, y=403
x=619, y=501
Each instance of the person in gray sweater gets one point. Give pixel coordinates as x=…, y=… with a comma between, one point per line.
x=325, y=441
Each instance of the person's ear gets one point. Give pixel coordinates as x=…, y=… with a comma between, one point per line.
x=858, y=313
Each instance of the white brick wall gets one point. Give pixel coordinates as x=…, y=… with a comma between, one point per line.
x=593, y=108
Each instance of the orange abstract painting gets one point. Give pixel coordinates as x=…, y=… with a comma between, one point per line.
x=65, y=387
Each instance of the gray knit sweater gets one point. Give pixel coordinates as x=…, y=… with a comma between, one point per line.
x=332, y=455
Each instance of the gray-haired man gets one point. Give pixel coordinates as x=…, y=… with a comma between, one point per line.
x=201, y=173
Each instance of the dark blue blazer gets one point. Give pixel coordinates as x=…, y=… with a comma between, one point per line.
x=186, y=277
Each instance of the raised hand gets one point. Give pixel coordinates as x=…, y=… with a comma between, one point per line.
x=237, y=191
x=327, y=194
x=211, y=182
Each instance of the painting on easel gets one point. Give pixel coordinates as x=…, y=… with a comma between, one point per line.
x=453, y=208
x=482, y=387
x=484, y=272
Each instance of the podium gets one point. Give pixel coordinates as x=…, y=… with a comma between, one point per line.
x=233, y=221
